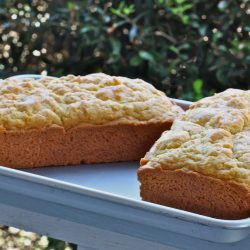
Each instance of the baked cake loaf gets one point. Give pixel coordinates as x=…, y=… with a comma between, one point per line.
x=202, y=164
x=75, y=119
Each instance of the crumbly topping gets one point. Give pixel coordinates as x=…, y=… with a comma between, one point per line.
x=212, y=138
x=229, y=110
x=77, y=100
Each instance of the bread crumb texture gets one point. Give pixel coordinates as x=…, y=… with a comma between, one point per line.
x=211, y=138
x=71, y=101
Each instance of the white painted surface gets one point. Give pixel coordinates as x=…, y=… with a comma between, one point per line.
x=87, y=237
x=115, y=178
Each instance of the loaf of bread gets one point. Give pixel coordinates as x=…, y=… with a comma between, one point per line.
x=202, y=164
x=75, y=119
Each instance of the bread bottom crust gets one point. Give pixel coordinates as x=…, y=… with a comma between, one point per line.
x=86, y=144
x=191, y=191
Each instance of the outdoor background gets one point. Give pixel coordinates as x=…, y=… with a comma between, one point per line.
x=189, y=49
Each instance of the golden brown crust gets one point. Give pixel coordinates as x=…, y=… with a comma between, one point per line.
x=208, y=149
x=87, y=144
x=194, y=192
x=229, y=110
x=213, y=152
x=70, y=101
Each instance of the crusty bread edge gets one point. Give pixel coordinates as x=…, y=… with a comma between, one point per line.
x=82, y=144
x=194, y=192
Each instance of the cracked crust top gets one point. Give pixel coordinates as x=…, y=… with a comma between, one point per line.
x=72, y=101
x=212, y=138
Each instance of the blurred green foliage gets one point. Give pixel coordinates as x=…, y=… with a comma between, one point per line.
x=187, y=48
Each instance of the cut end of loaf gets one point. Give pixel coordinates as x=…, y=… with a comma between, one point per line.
x=193, y=192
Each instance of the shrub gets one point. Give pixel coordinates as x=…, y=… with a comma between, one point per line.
x=187, y=48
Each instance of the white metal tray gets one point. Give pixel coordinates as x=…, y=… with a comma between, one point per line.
x=106, y=196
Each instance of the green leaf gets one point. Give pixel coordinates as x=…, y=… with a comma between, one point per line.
x=180, y=1
x=176, y=11
x=123, y=9
x=129, y=9
x=146, y=56
x=135, y=61
x=185, y=19
x=71, y=6
x=197, y=87
x=116, y=12
x=187, y=7
x=174, y=49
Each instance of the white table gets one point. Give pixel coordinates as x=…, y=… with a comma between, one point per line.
x=95, y=220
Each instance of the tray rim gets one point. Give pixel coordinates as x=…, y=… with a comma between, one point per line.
x=151, y=207
x=173, y=212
